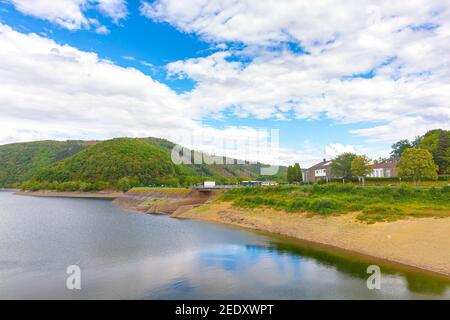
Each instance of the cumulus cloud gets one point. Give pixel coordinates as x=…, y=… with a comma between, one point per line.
x=364, y=62
x=57, y=91
x=70, y=14
x=382, y=64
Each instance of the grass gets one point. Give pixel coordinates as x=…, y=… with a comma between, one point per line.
x=154, y=202
x=378, y=204
x=405, y=183
x=169, y=191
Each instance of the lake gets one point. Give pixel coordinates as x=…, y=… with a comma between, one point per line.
x=129, y=255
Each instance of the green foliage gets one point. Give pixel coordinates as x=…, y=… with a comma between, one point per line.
x=373, y=203
x=361, y=166
x=399, y=147
x=380, y=213
x=341, y=167
x=294, y=174
x=417, y=164
x=119, y=163
x=124, y=184
x=298, y=173
x=21, y=161
x=325, y=205
x=111, y=161
x=68, y=186
x=437, y=142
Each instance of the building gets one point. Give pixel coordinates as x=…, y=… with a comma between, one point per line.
x=385, y=169
x=209, y=184
x=319, y=172
x=269, y=183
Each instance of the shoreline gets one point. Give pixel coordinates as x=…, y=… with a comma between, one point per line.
x=331, y=249
x=418, y=243
x=390, y=242
x=109, y=195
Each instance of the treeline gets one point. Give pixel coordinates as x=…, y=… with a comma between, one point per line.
x=123, y=184
x=114, y=164
x=437, y=142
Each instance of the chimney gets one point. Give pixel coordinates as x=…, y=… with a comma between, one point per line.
x=324, y=160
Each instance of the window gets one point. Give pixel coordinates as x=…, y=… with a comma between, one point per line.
x=321, y=173
x=377, y=173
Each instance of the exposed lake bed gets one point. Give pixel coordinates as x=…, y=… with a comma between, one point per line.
x=128, y=255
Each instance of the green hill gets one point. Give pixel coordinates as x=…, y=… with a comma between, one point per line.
x=110, y=161
x=20, y=161
x=117, y=163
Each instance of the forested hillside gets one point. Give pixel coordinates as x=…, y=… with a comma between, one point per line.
x=117, y=163
x=20, y=161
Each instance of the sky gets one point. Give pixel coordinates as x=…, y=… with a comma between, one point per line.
x=320, y=78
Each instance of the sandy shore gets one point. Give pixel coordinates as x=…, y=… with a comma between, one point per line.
x=86, y=195
x=421, y=243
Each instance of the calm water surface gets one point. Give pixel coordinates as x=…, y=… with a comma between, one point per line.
x=127, y=255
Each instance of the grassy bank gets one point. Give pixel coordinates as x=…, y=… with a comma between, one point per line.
x=372, y=204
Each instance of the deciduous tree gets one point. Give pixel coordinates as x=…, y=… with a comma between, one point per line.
x=417, y=164
x=341, y=167
x=361, y=167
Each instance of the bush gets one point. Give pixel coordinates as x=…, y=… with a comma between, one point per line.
x=298, y=205
x=325, y=205
x=124, y=184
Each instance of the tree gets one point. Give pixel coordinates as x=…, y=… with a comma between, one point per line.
x=437, y=142
x=361, y=167
x=399, y=147
x=416, y=142
x=417, y=164
x=442, y=153
x=341, y=167
x=297, y=171
x=124, y=184
x=290, y=174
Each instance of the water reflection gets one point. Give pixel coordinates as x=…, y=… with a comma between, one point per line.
x=125, y=255
x=356, y=266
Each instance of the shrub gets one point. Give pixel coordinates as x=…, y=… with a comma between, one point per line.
x=298, y=205
x=325, y=205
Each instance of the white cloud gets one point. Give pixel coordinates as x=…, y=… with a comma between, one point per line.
x=335, y=149
x=385, y=63
x=102, y=30
x=70, y=14
x=116, y=9
x=381, y=63
x=57, y=91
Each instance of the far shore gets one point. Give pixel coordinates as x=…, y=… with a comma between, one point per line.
x=108, y=195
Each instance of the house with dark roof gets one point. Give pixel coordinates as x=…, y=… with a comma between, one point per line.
x=319, y=172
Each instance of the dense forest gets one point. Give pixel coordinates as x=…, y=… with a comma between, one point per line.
x=21, y=161
x=118, y=163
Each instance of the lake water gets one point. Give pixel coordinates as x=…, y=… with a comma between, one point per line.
x=128, y=255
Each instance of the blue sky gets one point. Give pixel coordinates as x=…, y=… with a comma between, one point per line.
x=358, y=83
